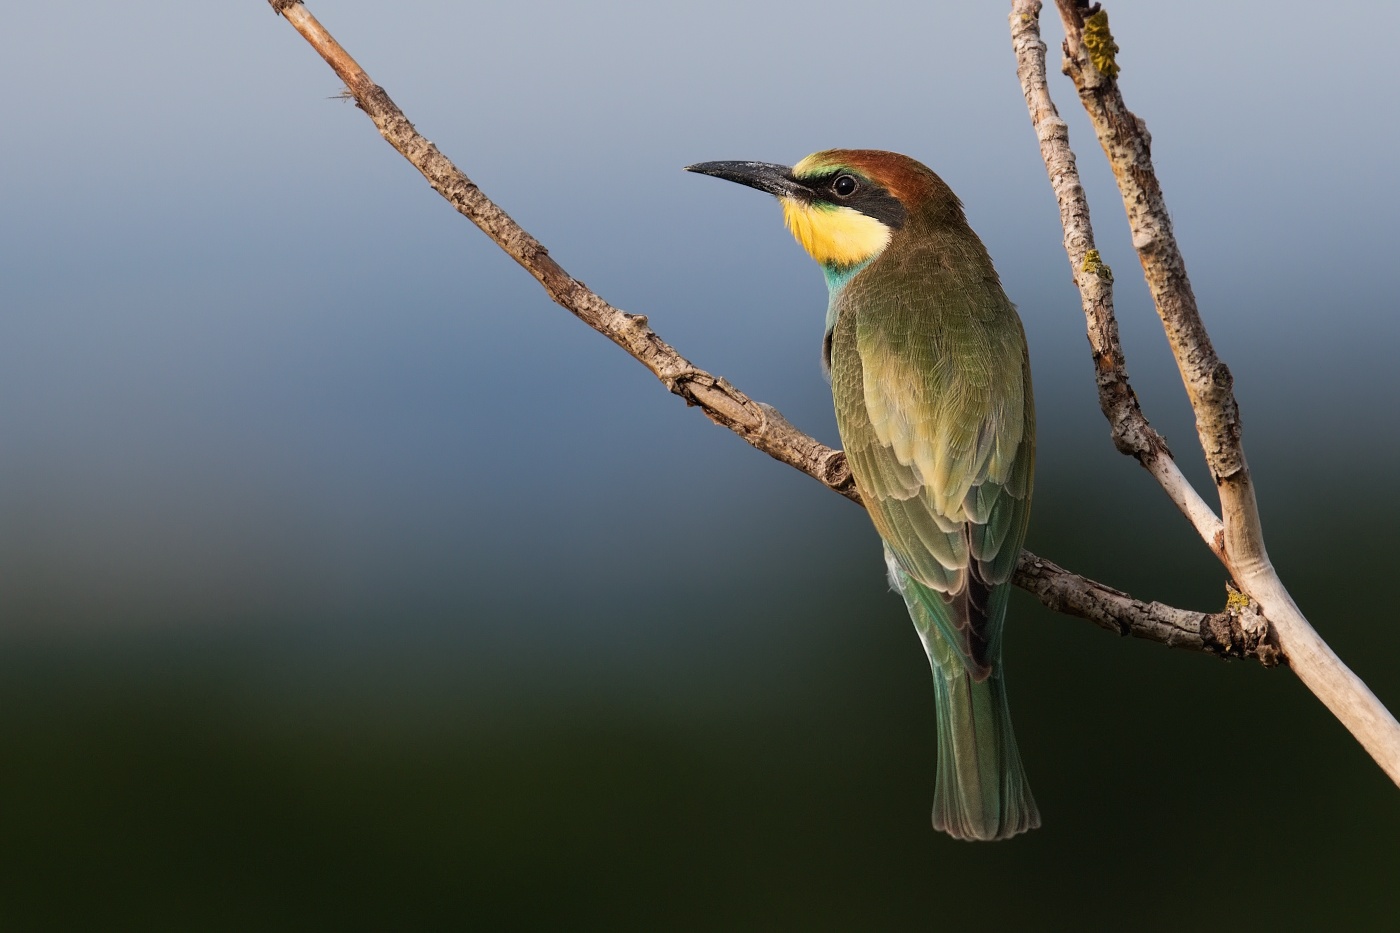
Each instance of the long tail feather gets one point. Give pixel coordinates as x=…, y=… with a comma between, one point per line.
x=981, y=792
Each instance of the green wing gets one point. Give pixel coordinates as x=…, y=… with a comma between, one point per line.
x=933, y=402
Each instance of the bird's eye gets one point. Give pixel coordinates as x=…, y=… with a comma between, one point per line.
x=844, y=186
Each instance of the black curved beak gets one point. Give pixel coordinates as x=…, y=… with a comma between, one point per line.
x=765, y=176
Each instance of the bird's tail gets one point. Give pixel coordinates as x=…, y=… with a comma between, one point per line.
x=981, y=792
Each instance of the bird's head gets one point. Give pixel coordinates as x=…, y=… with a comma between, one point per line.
x=843, y=205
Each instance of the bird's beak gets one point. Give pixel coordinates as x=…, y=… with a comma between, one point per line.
x=765, y=176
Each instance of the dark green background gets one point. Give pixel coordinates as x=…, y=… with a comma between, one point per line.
x=346, y=583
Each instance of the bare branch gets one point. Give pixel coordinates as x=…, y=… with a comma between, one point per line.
x=1091, y=62
x=760, y=425
x=1239, y=631
x=1132, y=434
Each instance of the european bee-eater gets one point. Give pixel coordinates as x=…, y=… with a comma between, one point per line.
x=932, y=386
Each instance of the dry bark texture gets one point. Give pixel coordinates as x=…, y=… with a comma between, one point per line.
x=1091, y=62
x=1238, y=631
x=761, y=425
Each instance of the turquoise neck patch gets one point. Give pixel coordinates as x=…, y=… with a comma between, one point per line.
x=838, y=276
x=836, y=279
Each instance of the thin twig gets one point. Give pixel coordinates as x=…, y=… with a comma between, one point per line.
x=760, y=425
x=1128, y=146
x=1091, y=62
x=1132, y=434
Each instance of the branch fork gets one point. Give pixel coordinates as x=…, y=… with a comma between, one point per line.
x=1259, y=608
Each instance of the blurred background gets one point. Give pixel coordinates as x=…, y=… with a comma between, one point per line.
x=347, y=583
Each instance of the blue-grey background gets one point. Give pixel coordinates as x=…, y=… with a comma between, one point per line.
x=347, y=583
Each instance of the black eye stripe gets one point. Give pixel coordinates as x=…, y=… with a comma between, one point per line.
x=849, y=189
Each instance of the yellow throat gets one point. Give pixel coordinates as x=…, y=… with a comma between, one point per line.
x=834, y=235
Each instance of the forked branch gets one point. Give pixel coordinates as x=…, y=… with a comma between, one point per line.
x=1132, y=434
x=1091, y=62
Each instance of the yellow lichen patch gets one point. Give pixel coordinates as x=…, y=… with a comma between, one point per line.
x=832, y=235
x=1094, y=265
x=1098, y=41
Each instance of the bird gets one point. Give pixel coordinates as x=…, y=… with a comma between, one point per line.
x=930, y=378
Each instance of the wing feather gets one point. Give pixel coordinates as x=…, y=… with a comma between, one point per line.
x=934, y=407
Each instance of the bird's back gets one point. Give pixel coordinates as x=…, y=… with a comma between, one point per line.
x=931, y=385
